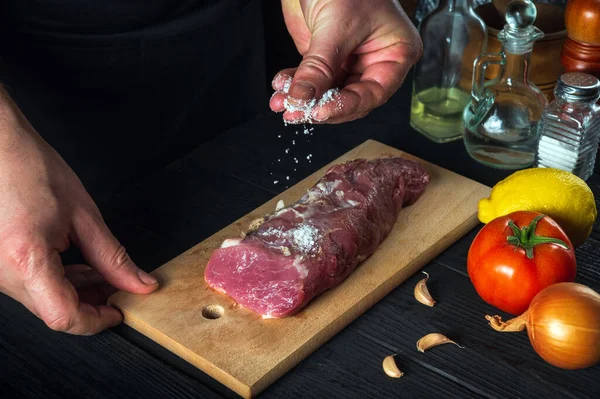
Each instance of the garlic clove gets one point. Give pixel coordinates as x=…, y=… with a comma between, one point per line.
x=255, y=224
x=280, y=205
x=390, y=367
x=434, y=339
x=422, y=293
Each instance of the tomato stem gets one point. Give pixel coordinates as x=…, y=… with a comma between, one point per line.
x=525, y=237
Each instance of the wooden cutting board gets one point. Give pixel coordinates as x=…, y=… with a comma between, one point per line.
x=247, y=353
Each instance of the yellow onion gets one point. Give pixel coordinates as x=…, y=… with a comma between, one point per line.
x=563, y=324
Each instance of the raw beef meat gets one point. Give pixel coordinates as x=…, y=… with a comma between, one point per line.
x=297, y=252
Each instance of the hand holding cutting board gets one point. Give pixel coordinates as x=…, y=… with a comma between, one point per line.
x=44, y=209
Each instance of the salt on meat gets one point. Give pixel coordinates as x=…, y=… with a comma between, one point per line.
x=294, y=254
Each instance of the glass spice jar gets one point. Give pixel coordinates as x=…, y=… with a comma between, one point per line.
x=570, y=126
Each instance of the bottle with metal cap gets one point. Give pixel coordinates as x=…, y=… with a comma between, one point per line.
x=570, y=128
x=501, y=120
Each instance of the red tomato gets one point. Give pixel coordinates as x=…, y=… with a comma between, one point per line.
x=509, y=265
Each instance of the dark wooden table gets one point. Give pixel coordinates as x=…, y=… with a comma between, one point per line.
x=220, y=181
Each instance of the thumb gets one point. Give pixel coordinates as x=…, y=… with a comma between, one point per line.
x=321, y=63
x=105, y=254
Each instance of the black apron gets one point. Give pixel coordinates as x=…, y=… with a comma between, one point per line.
x=121, y=87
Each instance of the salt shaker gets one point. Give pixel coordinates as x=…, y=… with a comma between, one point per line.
x=570, y=126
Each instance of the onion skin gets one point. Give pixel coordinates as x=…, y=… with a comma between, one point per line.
x=563, y=324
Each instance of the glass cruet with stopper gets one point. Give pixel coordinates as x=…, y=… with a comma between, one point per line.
x=502, y=118
x=452, y=35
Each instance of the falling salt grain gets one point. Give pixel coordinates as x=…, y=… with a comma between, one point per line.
x=279, y=135
x=287, y=177
x=293, y=142
x=275, y=181
x=287, y=150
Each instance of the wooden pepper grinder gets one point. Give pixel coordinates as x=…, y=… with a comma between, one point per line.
x=581, y=50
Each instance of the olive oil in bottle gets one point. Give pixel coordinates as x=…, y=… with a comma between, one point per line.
x=452, y=35
x=436, y=112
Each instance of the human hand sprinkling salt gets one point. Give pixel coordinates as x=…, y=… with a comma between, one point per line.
x=356, y=54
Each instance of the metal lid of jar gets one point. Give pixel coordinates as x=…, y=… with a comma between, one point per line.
x=577, y=86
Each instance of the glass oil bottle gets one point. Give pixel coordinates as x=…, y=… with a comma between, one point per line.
x=453, y=35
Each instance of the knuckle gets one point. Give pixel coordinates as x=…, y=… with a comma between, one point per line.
x=117, y=258
x=62, y=322
x=26, y=256
x=317, y=64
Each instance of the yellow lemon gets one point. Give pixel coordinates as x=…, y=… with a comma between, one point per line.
x=559, y=194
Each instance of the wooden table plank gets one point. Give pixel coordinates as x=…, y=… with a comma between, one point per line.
x=40, y=363
x=493, y=364
x=350, y=367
